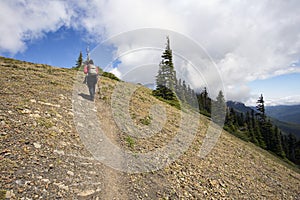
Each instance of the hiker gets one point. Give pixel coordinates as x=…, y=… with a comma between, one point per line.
x=92, y=77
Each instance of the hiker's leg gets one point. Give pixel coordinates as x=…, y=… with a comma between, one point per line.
x=94, y=86
x=92, y=92
x=90, y=86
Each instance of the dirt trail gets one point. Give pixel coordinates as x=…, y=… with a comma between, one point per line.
x=97, y=116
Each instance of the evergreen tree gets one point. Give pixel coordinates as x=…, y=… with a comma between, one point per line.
x=79, y=61
x=256, y=130
x=291, y=141
x=261, y=108
x=297, y=153
x=219, y=111
x=184, y=90
x=277, y=146
x=204, y=102
x=166, y=77
x=180, y=91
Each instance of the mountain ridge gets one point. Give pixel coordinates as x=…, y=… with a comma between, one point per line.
x=286, y=127
x=285, y=113
x=43, y=155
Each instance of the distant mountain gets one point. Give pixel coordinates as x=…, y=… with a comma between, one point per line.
x=238, y=106
x=286, y=127
x=290, y=114
x=281, y=116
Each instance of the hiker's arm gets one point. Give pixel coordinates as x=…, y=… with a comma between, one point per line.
x=85, y=69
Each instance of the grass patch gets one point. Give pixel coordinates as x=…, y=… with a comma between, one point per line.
x=2, y=194
x=174, y=103
x=146, y=120
x=236, y=133
x=110, y=75
x=45, y=122
x=53, y=83
x=130, y=141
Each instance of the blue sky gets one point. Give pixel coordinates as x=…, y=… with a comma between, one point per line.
x=278, y=88
x=60, y=48
x=254, y=45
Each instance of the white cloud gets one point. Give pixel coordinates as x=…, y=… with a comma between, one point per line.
x=248, y=40
x=23, y=21
x=289, y=100
x=116, y=72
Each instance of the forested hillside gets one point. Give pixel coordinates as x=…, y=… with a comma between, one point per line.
x=288, y=113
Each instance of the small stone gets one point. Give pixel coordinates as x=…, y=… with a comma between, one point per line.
x=19, y=182
x=26, y=111
x=27, y=183
x=10, y=194
x=3, y=133
x=35, y=115
x=86, y=193
x=62, y=143
x=46, y=180
x=37, y=145
x=213, y=183
x=62, y=186
x=60, y=152
x=92, y=172
x=2, y=123
x=61, y=96
x=70, y=173
x=32, y=100
x=49, y=104
x=71, y=113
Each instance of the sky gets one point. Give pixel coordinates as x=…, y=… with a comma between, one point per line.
x=245, y=48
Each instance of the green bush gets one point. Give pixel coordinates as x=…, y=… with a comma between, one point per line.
x=130, y=141
x=166, y=95
x=110, y=75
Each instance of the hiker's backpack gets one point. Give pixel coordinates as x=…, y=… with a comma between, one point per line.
x=92, y=69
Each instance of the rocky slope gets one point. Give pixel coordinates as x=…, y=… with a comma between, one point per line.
x=43, y=155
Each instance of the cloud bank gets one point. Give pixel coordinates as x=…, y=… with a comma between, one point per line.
x=247, y=40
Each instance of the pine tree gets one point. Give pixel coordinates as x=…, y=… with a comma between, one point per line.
x=219, y=107
x=166, y=77
x=265, y=127
x=184, y=90
x=204, y=102
x=167, y=72
x=261, y=108
x=180, y=91
x=79, y=61
x=292, y=141
x=277, y=146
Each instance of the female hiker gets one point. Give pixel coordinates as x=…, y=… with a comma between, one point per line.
x=92, y=77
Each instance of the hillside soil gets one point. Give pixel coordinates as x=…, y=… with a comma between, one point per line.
x=44, y=156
